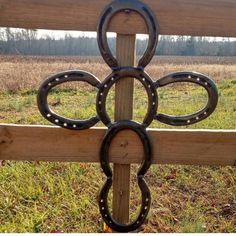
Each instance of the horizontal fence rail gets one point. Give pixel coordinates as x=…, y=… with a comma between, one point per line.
x=176, y=17
x=185, y=147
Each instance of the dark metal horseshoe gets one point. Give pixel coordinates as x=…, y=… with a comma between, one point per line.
x=61, y=78
x=148, y=16
x=104, y=160
x=196, y=78
x=118, y=74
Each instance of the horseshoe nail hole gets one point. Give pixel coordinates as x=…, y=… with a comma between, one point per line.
x=74, y=126
x=101, y=94
x=57, y=121
x=66, y=76
x=105, y=85
x=65, y=124
x=49, y=84
x=106, y=215
x=49, y=115
x=198, y=79
x=197, y=118
x=206, y=83
x=190, y=77
x=103, y=208
x=126, y=11
x=189, y=121
x=145, y=207
x=205, y=113
x=73, y=100
x=147, y=199
x=57, y=79
x=102, y=200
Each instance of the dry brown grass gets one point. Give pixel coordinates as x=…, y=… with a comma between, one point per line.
x=26, y=73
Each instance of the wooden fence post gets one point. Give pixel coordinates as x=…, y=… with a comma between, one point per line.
x=126, y=55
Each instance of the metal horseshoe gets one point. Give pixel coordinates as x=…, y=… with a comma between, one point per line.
x=61, y=78
x=118, y=74
x=149, y=18
x=104, y=160
x=196, y=78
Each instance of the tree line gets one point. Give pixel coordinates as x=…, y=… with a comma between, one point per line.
x=27, y=42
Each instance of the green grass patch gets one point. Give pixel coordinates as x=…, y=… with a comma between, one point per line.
x=62, y=197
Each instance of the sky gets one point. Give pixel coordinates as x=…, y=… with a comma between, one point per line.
x=57, y=34
x=60, y=34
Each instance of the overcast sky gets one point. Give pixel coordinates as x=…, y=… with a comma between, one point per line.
x=60, y=34
x=57, y=34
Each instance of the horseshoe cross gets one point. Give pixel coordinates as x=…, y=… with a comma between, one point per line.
x=103, y=87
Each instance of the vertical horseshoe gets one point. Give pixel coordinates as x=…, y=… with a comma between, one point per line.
x=104, y=160
x=145, y=12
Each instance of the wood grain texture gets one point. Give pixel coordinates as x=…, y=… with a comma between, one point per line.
x=124, y=90
x=176, y=17
x=184, y=147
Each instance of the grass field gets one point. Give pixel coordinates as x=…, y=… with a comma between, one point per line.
x=62, y=197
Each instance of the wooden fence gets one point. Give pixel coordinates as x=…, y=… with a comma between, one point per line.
x=175, y=17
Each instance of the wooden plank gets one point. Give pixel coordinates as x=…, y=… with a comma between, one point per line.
x=184, y=147
x=125, y=51
x=176, y=17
